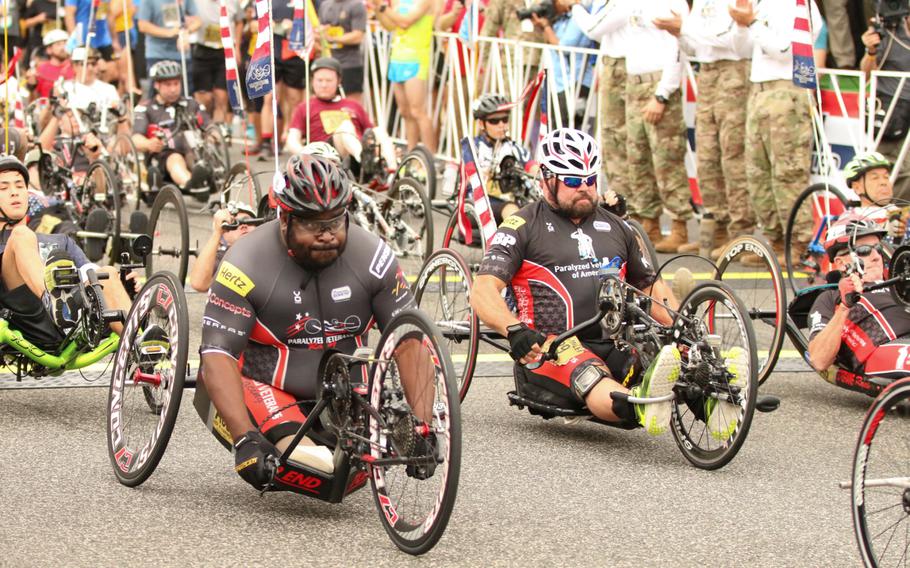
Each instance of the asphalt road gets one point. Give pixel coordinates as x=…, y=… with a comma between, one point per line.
x=532, y=492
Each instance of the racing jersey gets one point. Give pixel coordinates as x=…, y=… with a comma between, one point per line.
x=875, y=320
x=490, y=155
x=554, y=265
x=275, y=317
x=153, y=116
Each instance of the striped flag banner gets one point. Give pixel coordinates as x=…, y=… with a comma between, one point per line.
x=297, y=37
x=259, y=75
x=803, y=60
x=470, y=181
x=230, y=61
x=11, y=67
x=544, y=119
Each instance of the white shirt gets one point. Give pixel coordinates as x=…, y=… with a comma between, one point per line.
x=707, y=35
x=597, y=21
x=649, y=49
x=104, y=95
x=772, y=34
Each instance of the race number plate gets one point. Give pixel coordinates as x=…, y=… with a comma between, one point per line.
x=568, y=349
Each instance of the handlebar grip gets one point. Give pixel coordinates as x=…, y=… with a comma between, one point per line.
x=852, y=298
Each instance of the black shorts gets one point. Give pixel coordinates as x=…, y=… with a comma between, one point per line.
x=209, y=70
x=352, y=80
x=291, y=72
x=29, y=316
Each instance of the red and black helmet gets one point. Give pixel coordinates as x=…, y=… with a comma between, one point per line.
x=313, y=185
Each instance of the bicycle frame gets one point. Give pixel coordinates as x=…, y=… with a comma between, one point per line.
x=69, y=358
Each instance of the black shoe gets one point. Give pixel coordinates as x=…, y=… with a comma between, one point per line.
x=267, y=151
x=199, y=180
x=60, y=279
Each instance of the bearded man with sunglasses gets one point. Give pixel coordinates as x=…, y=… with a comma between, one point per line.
x=295, y=287
x=552, y=253
x=864, y=332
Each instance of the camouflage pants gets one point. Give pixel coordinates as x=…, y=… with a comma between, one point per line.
x=720, y=137
x=612, y=86
x=778, y=153
x=656, y=154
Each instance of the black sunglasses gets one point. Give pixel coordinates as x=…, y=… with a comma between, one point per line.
x=500, y=120
x=863, y=251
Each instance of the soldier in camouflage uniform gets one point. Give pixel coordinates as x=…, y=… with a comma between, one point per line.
x=720, y=121
x=778, y=123
x=500, y=15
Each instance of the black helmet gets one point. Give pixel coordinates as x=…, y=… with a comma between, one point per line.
x=490, y=104
x=313, y=185
x=16, y=148
x=165, y=70
x=326, y=63
x=8, y=163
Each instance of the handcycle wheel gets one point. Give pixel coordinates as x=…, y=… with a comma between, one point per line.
x=880, y=492
x=137, y=435
x=127, y=168
x=241, y=186
x=818, y=205
x=170, y=232
x=761, y=288
x=443, y=291
x=647, y=247
x=100, y=190
x=215, y=154
x=408, y=213
x=414, y=501
x=453, y=239
x=713, y=308
x=420, y=165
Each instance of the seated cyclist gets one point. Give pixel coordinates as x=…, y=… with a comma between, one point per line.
x=34, y=267
x=551, y=253
x=869, y=176
x=332, y=118
x=221, y=239
x=296, y=286
x=64, y=137
x=157, y=132
x=862, y=332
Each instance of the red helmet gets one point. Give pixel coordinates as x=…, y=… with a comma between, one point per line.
x=849, y=227
x=313, y=185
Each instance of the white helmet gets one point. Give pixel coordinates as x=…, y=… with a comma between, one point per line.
x=323, y=149
x=54, y=36
x=569, y=152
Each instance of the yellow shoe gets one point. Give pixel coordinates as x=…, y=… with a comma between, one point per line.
x=723, y=416
x=659, y=380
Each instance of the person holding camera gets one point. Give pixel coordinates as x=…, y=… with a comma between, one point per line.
x=510, y=19
x=861, y=331
x=720, y=121
x=778, y=124
x=887, y=43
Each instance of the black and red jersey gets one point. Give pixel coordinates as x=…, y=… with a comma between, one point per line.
x=554, y=265
x=276, y=317
x=874, y=321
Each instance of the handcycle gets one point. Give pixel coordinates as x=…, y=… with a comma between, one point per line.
x=362, y=412
x=710, y=322
x=86, y=343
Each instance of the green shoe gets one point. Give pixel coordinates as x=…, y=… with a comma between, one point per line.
x=659, y=380
x=723, y=416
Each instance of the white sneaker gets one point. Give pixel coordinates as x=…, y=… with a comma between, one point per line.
x=723, y=416
x=659, y=380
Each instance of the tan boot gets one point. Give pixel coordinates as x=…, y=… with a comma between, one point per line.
x=682, y=283
x=689, y=248
x=679, y=235
x=652, y=228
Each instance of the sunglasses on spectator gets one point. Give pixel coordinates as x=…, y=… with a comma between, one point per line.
x=332, y=225
x=574, y=182
x=863, y=251
x=497, y=120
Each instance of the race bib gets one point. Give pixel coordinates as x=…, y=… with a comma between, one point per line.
x=170, y=16
x=333, y=32
x=332, y=119
x=568, y=349
x=212, y=35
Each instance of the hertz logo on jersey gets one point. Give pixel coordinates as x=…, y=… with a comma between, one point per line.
x=234, y=278
x=512, y=222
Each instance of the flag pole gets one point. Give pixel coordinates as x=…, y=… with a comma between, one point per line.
x=275, y=133
x=90, y=36
x=6, y=83
x=127, y=28
x=181, y=18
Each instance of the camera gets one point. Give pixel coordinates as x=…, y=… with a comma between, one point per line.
x=889, y=14
x=544, y=9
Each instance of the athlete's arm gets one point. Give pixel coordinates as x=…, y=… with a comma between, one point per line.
x=293, y=144
x=225, y=387
x=204, y=267
x=662, y=293
x=491, y=308
x=824, y=346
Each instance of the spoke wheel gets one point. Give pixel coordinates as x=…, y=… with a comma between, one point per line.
x=415, y=500
x=455, y=240
x=713, y=308
x=410, y=218
x=419, y=164
x=880, y=491
x=443, y=292
x=170, y=232
x=100, y=190
x=241, y=186
x=127, y=168
x=818, y=207
x=761, y=289
x=137, y=431
x=214, y=153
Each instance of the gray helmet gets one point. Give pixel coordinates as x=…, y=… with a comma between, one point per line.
x=326, y=63
x=165, y=70
x=490, y=104
x=313, y=185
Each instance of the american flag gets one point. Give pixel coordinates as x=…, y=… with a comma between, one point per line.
x=230, y=62
x=544, y=121
x=297, y=37
x=259, y=75
x=471, y=178
x=803, y=60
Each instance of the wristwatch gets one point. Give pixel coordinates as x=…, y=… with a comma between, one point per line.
x=661, y=99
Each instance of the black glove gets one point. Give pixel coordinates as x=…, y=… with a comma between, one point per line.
x=255, y=459
x=619, y=208
x=522, y=338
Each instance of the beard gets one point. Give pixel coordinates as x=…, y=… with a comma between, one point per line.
x=578, y=206
x=317, y=257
